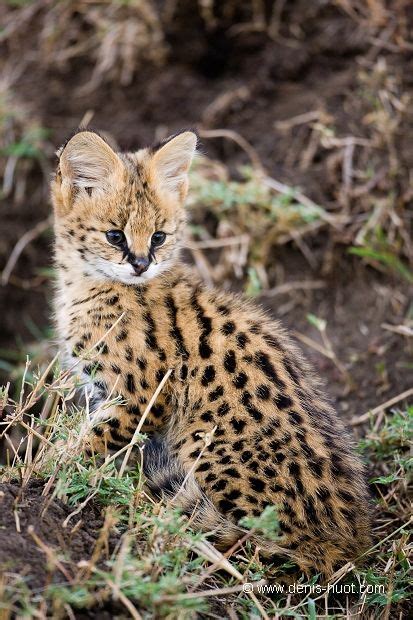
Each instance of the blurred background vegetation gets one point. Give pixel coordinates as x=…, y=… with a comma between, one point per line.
x=304, y=112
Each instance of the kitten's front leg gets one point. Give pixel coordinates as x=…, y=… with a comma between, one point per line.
x=112, y=417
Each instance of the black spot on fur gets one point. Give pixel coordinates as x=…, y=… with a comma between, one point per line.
x=122, y=335
x=269, y=472
x=175, y=331
x=337, y=467
x=295, y=417
x=133, y=410
x=242, y=339
x=324, y=493
x=317, y=466
x=225, y=505
x=118, y=437
x=228, y=328
x=310, y=510
x=88, y=369
x=263, y=392
x=246, y=456
x=223, y=409
x=257, y=484
x=232, y=472
x=205, y=323
x=237, y=425
x=207, y=416
x=240, y=380
x=160, y=373
x=263, y=362
x=226, y=460
x=276, y=488
x=254, y=413
x=220, y=485
x=112, y=300
x=251, y=409
x=234, y=494
x=204, y=466
x=130, y=383
x=282, y=401
x=215, y=394
x=230, y=362
x=210, y=478
x=208, y=376
x=113, y=423
x=197, y=404
x=223, y=310
x=345, y=496
x=158, y=410
x=285, y=528
x=238, y=514
x=291, y=371
x=272, y=342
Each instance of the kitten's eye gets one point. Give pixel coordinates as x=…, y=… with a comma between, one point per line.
x=158, y=238
x=116, y=237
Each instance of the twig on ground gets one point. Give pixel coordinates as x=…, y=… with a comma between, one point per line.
x=80, y=507
x=219, y=243
x=238, y=139
x=402, y=330
x=210, y=553
x=289, y=287
x=357, y=420
x=49, y=552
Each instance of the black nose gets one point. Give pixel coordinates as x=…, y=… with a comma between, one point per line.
x=140, y=264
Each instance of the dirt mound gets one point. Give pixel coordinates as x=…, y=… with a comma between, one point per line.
x=27, y=551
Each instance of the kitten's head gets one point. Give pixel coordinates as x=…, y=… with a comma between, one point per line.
x=120, y=216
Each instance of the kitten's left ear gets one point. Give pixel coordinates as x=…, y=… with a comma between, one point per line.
x=170, y=163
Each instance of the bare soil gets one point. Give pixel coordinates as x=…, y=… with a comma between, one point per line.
x=25, y=554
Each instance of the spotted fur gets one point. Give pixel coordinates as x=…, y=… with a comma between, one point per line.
x=241, y=424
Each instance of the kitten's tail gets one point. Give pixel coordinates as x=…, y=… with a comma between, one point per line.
x=167, y=479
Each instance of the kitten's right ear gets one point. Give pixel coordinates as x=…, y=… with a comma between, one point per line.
x=88, y=165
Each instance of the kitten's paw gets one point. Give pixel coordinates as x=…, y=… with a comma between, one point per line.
x=93, y=443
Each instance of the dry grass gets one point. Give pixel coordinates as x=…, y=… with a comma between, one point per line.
x=145, y=559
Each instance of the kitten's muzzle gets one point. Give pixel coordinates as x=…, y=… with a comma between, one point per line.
x=139, y=263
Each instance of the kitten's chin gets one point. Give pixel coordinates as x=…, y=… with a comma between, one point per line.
x=125, y=274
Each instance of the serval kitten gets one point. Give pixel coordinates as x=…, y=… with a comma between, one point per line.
x=241, y=421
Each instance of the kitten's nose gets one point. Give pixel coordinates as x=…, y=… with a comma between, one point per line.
x=140, y=264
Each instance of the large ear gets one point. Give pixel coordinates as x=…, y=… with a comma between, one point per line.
x=170, y=164
x=88, y=163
